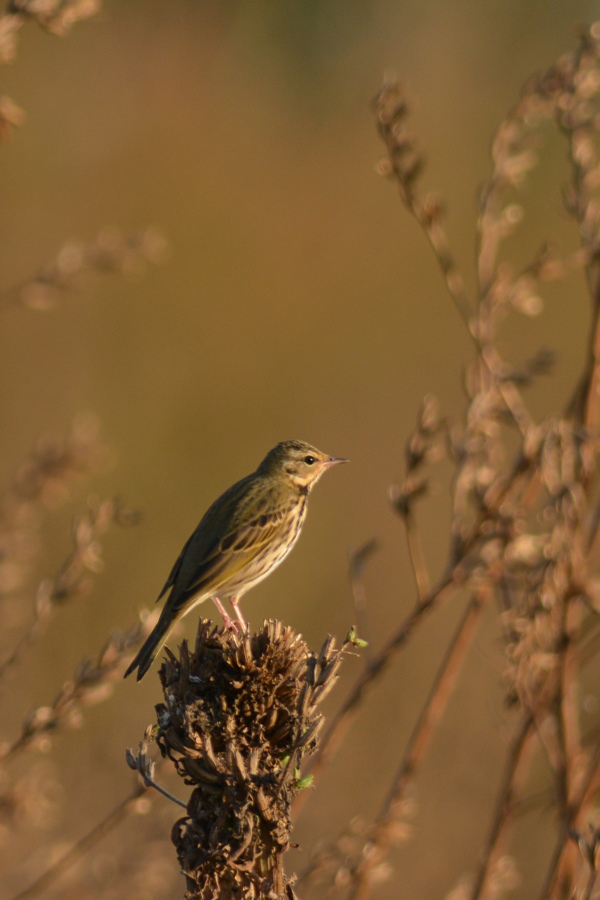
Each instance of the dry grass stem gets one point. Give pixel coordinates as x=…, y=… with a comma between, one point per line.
x=73, y=578
x=517, y=761
x=56, y=17
x=91, y=683
x=76, y=261
x=357, y=561
x=83, y=846
x=356, y=869
x=43, y=482
x=239, y=713
x=524, y=524
x=388, y=824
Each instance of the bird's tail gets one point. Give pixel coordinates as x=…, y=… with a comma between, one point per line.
x=152, y=645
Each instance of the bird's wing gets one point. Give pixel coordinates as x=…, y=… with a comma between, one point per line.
x=232, y=554
x=213, y=556
x=173, y=573
x=201, y=542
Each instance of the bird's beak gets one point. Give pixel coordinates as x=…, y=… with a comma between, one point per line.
x=335, y=461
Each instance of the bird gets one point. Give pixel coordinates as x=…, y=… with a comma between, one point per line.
x=246, y=533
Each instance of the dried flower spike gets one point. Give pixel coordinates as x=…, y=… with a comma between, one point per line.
x=239, y=715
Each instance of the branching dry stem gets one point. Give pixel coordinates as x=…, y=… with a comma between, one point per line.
x=83, y=845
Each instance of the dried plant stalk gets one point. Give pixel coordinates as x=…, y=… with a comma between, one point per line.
x=92, y=682
x=524, y=533
x=109, y=252
x=239, y=715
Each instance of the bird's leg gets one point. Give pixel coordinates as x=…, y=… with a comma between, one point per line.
x=228, y=622
x=236, y=608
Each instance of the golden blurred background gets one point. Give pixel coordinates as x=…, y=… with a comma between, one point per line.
x=298, y=300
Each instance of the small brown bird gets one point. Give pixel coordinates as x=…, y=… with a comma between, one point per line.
x=242, y=537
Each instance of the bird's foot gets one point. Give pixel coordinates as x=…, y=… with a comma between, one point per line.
x=229, y=624
x=240, y=619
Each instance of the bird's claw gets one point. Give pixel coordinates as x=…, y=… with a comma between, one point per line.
x=230, y=624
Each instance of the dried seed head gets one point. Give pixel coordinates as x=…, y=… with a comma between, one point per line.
x=239, y=715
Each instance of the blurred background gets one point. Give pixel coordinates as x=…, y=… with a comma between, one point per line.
x=298, y=300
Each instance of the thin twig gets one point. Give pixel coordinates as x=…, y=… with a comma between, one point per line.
x=91, y=683
x=418, y=743
x=449, y=581
x=109, y=252
x=417, y=557
x=591, y=882
x=140, y=762
x=513, y=772
x=84, y=845
x=73, y=578
x=357, y=561
x=345, y=715
x=586, y=789
x=405, y=163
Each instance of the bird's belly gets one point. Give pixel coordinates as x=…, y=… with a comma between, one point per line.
x=258, y=569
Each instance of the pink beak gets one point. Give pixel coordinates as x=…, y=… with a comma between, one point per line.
x=335, y=461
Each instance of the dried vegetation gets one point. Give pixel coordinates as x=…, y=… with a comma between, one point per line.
x=239, y=713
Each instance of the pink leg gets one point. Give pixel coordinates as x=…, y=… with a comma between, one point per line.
x=227, y=621
x=238, y=612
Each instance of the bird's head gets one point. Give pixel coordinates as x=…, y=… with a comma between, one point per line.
x=300, y=464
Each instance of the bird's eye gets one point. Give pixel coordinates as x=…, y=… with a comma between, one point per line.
x=309, y=460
